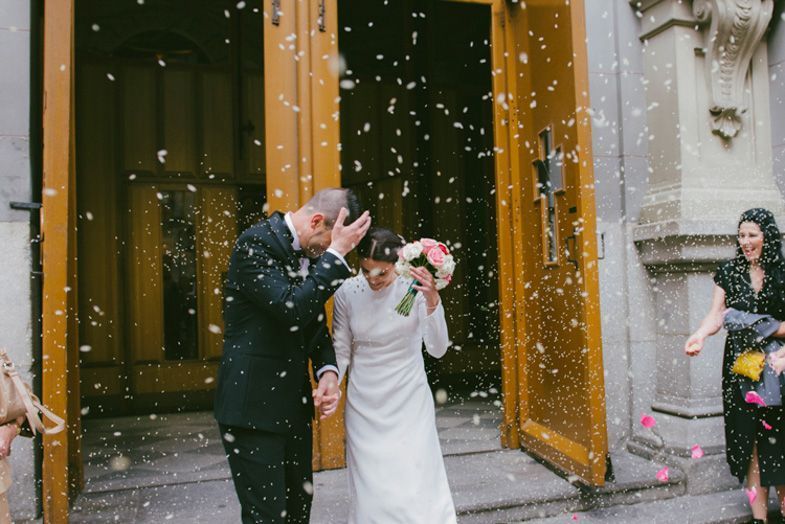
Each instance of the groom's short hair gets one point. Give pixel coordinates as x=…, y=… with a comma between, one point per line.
x=329, y=203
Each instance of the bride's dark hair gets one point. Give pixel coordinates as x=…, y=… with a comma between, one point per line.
x=380, y=244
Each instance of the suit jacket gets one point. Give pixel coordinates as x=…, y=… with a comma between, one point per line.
x=274, y=322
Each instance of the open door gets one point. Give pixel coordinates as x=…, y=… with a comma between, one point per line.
x=62, y=472
x=561, y=392
x=303, y=135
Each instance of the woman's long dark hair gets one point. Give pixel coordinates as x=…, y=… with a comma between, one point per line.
x=380, y=244
x=771, y=259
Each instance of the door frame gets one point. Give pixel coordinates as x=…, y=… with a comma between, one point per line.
x=61, y=467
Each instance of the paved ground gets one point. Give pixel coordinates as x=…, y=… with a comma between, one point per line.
x=172, y=469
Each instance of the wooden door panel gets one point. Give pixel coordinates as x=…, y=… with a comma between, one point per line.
x=96, y=160
x=253, y=119
x=179, y=121
x=146, y=302
x=139, y=118
x=561, y=389
x=215, y=239
x=216, y=129
x=172, y=377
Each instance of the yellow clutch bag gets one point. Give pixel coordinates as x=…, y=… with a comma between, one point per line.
x=750, y=364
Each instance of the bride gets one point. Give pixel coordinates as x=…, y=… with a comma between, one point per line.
x=396, y=470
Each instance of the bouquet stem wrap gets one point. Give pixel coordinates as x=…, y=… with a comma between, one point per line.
x=404, y=307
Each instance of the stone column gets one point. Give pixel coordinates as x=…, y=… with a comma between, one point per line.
x=710, y=158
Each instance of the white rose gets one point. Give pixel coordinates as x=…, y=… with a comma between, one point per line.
x=412, y=251
x=441, y=284
x=448, y=267
x=402, y=267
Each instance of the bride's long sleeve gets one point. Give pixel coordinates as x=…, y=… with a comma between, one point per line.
x=434, y=330
x=342, y=334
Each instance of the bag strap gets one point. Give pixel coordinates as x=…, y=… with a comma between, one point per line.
x=32, y=406
x=30, y=412
x=59, y=422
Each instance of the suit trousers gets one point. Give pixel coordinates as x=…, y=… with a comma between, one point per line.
x=272, y=473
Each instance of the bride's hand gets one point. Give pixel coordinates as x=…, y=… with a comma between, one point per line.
x=426, y=285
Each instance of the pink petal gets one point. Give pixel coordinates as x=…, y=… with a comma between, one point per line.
x=765, y=424
x=753, y=398
x=662, y=475
x=575, y=517
x=647, y=421
x=697, y=452
x=752, y=494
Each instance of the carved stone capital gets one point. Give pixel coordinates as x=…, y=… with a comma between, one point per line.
x=735, y=30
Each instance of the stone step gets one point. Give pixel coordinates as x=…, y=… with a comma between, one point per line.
x=508, y=485
x=725, y=507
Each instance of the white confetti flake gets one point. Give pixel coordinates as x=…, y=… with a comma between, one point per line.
x=120, y=463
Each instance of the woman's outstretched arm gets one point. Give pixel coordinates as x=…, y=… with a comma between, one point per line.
x=710, y=324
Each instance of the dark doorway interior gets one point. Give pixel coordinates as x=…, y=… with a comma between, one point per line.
x=417, y=145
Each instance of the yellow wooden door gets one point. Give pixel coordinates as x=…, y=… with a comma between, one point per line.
x=301, y=68
x=561, y=392
x=180, y=239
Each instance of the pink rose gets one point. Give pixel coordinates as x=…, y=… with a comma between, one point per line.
x=443, y=248
x=427, y=244
x=435, y=257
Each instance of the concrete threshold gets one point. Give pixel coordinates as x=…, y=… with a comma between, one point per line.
x=509, y=486
x=173, y=469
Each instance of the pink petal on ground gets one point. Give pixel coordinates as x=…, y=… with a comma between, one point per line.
x=765, y=424
x=697, y=452
x=575, y=517
x=647, y=421
x=662, y=475
x=752, y=494
x=753, y=398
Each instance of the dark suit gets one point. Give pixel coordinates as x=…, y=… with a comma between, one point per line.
x=274, y=322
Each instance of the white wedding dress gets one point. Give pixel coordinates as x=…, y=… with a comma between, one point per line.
x=396, y=469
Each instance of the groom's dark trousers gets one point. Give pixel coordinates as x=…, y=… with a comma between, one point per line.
x=274, y=322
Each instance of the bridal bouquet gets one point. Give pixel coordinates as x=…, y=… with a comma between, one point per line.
x=427, y=253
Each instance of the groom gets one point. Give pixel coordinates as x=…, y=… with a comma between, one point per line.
x=281, y=273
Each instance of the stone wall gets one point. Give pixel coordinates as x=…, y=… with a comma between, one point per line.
x=660, y=171
x=15, y=324
x=776, y=41
x=620, y=144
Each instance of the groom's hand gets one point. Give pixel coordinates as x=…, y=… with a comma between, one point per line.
x=346, y=237
x=327, y=394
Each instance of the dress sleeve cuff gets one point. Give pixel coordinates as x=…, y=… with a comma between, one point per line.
x=435, y=309
x=323, y=369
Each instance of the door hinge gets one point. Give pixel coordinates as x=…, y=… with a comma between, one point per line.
x=321, y=21
x=276, y=12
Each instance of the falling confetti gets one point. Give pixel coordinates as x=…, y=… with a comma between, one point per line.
x=753, y=398
x=662, y=475
x=441, y=396
x=647, y=421
x=752, y=494
x=120, y=463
